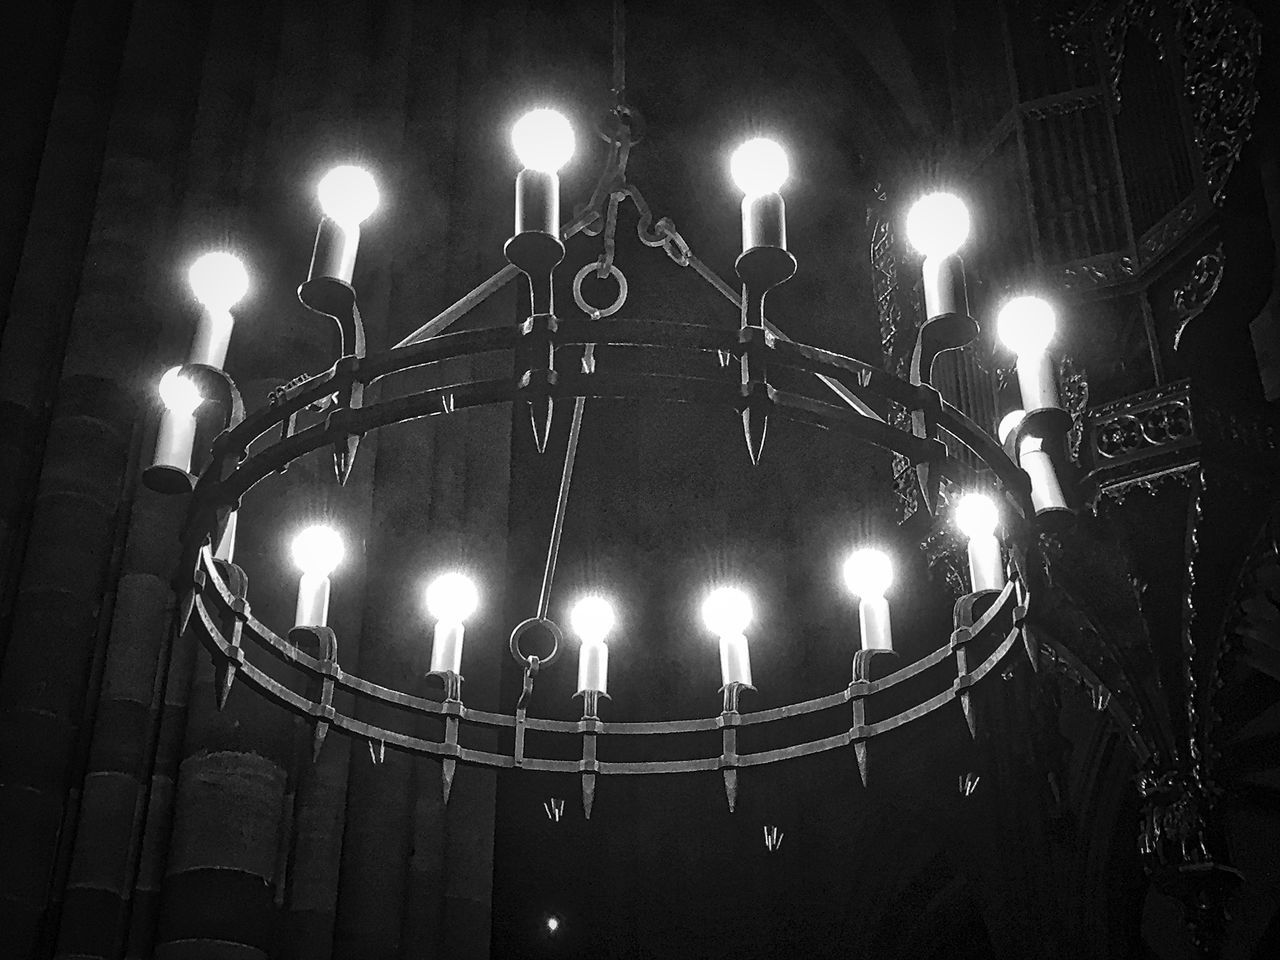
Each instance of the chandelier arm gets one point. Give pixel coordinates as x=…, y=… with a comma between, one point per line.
x=804, y=409
x=716, y=281
x=483, y=291
x=800, y=356
x=562, y=504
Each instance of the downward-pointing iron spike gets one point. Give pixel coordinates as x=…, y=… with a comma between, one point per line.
x=447, y=768
x=186, y=603
x=928, y=480
x=344, y=457
x=317, y=738
x=755, y=422
x=731, y=787
x=970, y=718
x=224, y=674
x=588, y=793
x=860, y=751
x=540, y=414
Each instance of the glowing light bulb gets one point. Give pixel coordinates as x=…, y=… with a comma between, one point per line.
x=1026, y=325
x=318, y=550
x=759, y=166
x=179, y=393
x=452, y=598
x=553, y=924
x=218, y=280
x=727, y=611
x=938, y=224
x=592, y=619
x=1008, y=423
x=868, y=572
x=543, y=140
x=976, y=515
x=348, y=195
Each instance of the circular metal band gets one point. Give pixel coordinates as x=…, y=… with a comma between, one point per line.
x=597, y=313
x=524, y=627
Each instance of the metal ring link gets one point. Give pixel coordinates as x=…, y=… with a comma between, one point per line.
x=552, y=628
x=595, y=313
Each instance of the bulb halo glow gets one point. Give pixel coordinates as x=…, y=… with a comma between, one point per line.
x=977, y=515
x=348, y=195
x=543, y=140
x=938, y=224
x=218, y=280
x=592, y=619
x=727, y=611
x=452, y=597
x=1026, y=325
x=759, y=166
x=179, y=393
x=317, y=550
x=868, y=572
x=1008, y=423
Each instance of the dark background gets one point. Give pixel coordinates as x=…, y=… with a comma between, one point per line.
x=140, y=822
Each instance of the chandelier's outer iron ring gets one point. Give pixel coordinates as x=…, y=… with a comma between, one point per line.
x=525, y=626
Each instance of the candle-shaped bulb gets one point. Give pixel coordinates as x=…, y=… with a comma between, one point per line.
x=1026, y=325
x=452, y=598
x=179, y=393
x=177, y=434
x=348, y=195
x=727, y=611
x=868, y=573
x=218, y=281
x=543, y=140
x=592, y=619
x=938, y=224
x=1008, y=423
x=976, y=515
x=317, y=551
x=759, y=166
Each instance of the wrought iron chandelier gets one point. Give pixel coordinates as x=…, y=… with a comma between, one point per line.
x=751, y=369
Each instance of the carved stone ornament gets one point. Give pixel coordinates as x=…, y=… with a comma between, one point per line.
x=1100, y=271
x=1194, y=294
x=1221, y=45
x=884, y=280
x=1075, y=398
